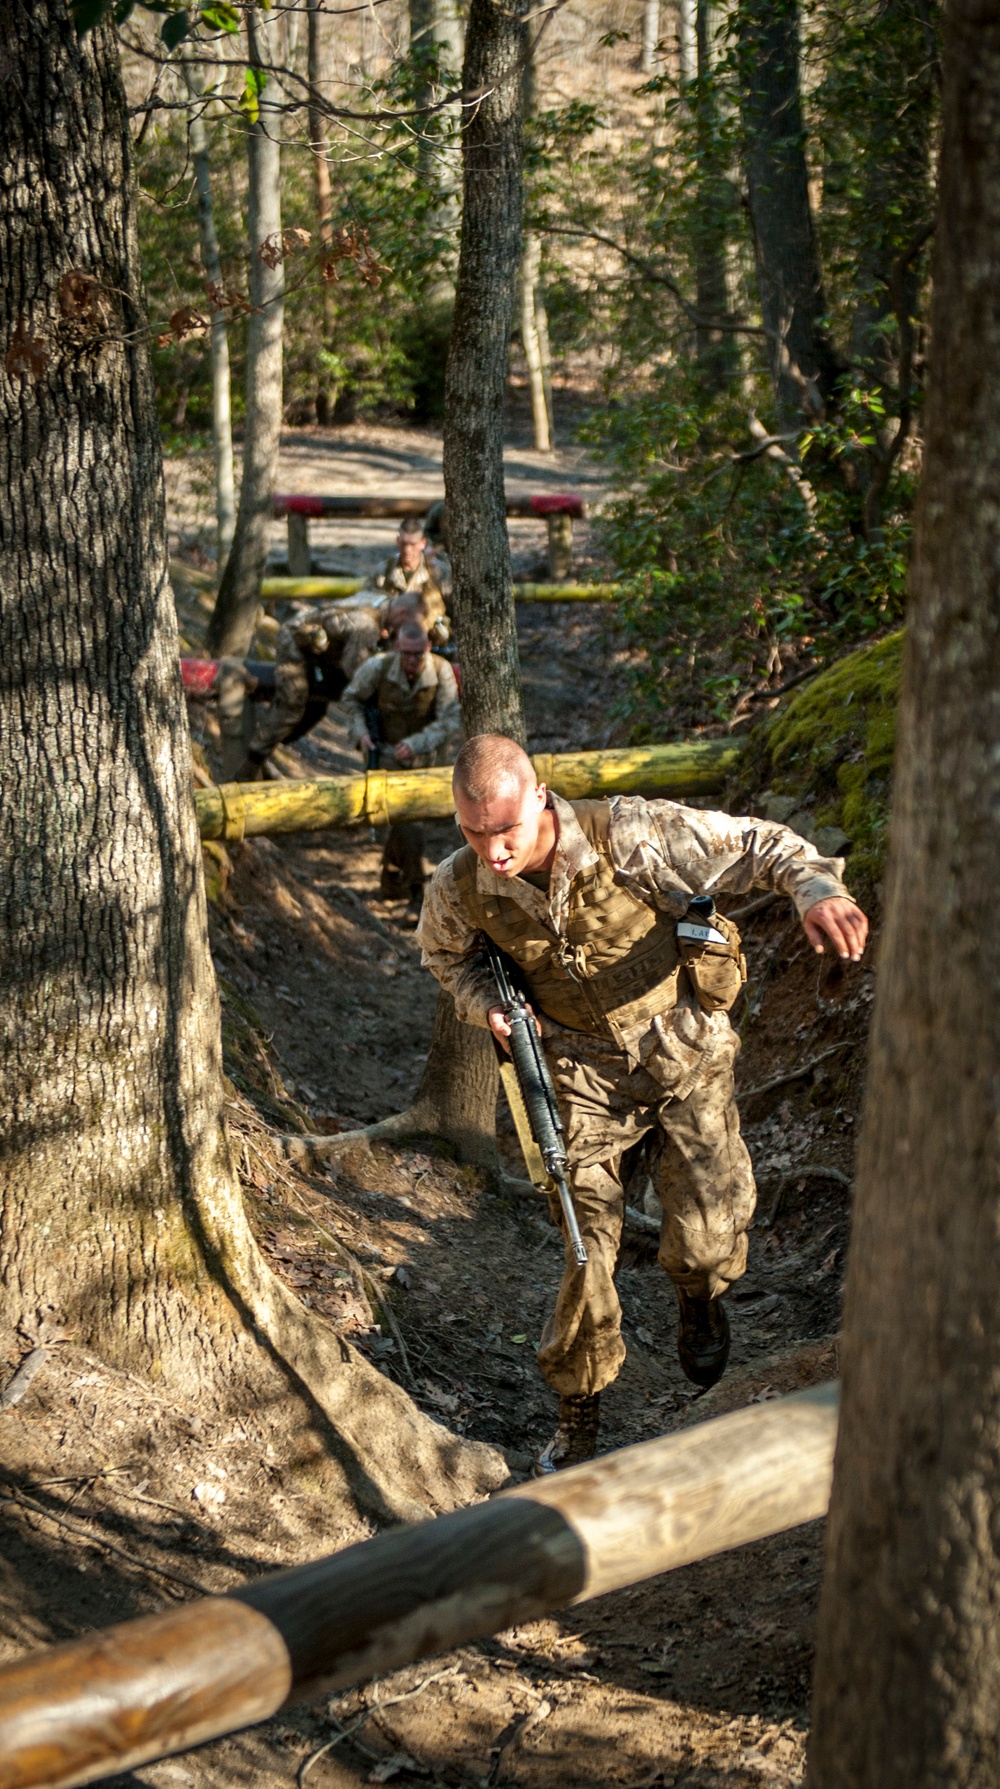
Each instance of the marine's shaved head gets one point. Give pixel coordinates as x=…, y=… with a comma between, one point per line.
x=490, y=764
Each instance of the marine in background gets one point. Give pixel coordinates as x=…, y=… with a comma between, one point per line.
x=414, y=567
x=316, y=656
x=402, y=710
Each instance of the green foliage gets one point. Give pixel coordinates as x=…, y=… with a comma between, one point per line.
x=738, y=565
x=832, y=749
x=370, y=335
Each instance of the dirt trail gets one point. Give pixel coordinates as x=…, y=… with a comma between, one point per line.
x=700, y=1678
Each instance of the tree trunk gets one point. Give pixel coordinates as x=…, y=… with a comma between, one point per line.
x=456, y=1100
x=321, y=187
x=121, y=1214
x=687, y=41
x=531, y=341
x=534, y=320
x=803, y=363
x=896, y=118
x=907, y=1673
x=222, y=428
x=717, y=352
x=476, y=382
x=231, y=627
x=650, y=35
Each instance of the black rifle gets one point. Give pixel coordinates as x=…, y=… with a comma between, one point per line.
x=537, y=1091
x=373, y=727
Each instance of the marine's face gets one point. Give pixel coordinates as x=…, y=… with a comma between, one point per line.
x=413, y=659
x=410, y=549
x=504, y=830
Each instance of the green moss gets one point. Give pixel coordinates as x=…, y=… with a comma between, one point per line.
x=831, y=747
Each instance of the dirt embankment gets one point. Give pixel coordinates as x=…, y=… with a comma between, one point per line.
x=114, y=1500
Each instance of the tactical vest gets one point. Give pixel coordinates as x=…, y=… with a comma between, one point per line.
x=403, y=711
x=618, y=964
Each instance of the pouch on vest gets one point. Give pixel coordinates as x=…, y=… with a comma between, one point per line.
x=709, y=948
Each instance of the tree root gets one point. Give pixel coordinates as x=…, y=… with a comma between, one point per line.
x=401, y=1463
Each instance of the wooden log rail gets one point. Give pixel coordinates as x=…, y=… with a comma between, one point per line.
x=557, y=509
x=243, y=810
x=334, y=589
x=144, y=1689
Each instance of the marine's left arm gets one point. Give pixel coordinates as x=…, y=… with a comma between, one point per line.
x=666, y=852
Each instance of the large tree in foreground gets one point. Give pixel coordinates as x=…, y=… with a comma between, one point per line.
x=119, y=1208
x=908, y=1672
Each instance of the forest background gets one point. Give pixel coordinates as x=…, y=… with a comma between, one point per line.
x=723, y=285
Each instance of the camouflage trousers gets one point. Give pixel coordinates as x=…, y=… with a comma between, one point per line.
x=702, y=1175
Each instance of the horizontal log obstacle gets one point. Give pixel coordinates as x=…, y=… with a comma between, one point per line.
x=557, y=509
x=334, y=589
x=243, y=810
x=144, y=1689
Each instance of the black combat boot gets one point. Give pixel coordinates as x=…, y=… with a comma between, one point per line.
x=702, y=1338
x=575, y=1440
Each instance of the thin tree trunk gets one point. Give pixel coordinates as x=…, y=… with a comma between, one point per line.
x=898, y=79
x=908, y=1669
x=458, y=1093
x=803, y=363
x=321, y=188
x=222, y=428
x=718, y=356
x=650, y=35
x=476, y=382
x=456, y=1100
x=120, y=1210
x=534, y=321
x=531, y=342
x=231, y=627
x=687, y=41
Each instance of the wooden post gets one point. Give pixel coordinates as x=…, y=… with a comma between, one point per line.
x=141, y=1690
x=299, y=556
x=560, y=547
x=243, y=810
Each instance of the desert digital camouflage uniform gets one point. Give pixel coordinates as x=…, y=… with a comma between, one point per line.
x=314, y=652
x=652, y=1062
x=427, y=716
x=422, y=582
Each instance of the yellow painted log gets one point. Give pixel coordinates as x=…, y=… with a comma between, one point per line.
x=330, y=589
x=241, y=810
x=567, y=593
x=298, y=589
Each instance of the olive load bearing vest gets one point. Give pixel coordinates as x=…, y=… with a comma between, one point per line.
x=404, y=709
x=619, y=964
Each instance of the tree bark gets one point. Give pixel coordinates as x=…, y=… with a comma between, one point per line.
x=650, y=35
x=908, y=1669
x=687, y=41
x=476, y=380
x=121, y=1214
x=718, y=356
x=318, y=143
x=222, y=428
x=531, y=341
x=456, y=1100
x=896, y=120
x=804, y=365
x=231, y=627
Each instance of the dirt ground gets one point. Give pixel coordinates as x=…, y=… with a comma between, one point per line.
x=113, y=1500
